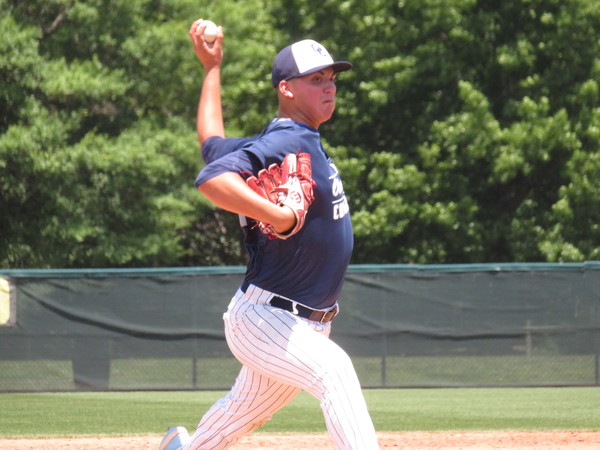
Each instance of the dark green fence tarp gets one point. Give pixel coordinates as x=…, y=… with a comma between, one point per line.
x=403, y=326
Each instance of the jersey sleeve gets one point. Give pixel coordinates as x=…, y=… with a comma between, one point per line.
x=216, y=147
x=242, y=162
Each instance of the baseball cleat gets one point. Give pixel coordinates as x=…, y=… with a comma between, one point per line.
x=175, y=439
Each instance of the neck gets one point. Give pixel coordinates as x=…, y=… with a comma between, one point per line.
x=297, y=118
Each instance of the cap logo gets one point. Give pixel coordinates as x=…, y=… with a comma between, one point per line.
x=309, y=54
x=319, y=49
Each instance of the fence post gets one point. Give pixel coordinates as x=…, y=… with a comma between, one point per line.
x=597, y=358
x=528, y=338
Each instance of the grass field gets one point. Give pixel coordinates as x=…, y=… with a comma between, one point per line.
x=141, y=413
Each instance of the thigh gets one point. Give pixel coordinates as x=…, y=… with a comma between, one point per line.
x=282, y=346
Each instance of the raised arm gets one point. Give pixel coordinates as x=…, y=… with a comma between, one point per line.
x=209, y=120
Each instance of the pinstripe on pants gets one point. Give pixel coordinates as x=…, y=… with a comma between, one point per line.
x=283, y=354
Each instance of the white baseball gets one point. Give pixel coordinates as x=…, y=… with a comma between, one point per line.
x=210, y=32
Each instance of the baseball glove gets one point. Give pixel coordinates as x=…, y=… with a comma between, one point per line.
x=290, y=185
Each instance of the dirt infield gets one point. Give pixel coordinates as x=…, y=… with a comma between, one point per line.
x=571, y=440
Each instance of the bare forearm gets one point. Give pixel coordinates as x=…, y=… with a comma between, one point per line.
x=230, y=192
x=210, y=113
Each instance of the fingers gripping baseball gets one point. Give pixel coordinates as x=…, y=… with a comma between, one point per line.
x=290, y=185
x=208, y=42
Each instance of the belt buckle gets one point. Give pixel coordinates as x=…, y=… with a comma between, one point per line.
x=331, y=313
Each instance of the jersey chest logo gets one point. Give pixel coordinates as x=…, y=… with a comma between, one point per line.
x=339, y=204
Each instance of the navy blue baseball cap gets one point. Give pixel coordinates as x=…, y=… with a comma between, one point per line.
x=303, y=58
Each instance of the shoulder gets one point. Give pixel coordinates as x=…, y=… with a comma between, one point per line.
x=216, y=147
x=282, y=137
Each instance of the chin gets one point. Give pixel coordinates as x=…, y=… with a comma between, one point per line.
x=328, y=113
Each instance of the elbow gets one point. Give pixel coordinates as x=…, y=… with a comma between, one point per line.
x=201, y=187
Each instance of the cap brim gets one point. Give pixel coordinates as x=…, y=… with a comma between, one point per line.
x=341, y=66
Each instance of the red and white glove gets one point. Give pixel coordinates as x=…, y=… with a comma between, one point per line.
x=290, y=185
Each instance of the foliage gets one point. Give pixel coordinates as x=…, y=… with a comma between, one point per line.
x=468, y=130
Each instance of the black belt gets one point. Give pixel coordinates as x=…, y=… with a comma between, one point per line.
x=318, y=315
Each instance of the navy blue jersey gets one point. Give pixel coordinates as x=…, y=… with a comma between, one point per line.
x=308, y=267
x=212, y=151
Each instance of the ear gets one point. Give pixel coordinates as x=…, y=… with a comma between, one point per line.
x=285, y=89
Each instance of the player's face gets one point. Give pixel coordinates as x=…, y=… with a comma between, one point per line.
x=314, y=96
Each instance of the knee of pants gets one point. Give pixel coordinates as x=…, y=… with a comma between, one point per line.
x=336, y=371
x=259, y=423
x=339, y=361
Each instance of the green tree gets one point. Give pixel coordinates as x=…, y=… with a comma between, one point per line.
x=89, y=177
x=466, y=132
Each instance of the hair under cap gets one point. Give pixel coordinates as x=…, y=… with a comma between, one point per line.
x=303, y=58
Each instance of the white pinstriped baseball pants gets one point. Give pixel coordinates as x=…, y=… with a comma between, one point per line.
x=283, y=354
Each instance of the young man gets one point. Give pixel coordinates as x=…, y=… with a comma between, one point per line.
x=278, y=322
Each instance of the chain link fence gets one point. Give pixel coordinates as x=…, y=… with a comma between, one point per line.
x=403, y=326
